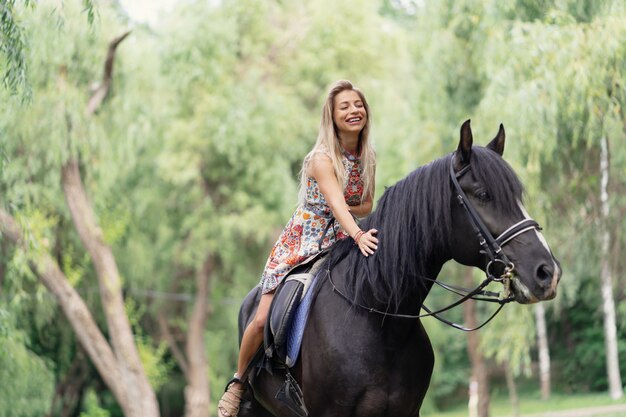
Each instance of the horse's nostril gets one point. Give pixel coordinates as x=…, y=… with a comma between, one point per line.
x=545, y=273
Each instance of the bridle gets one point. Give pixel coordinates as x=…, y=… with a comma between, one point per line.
x=490, y=246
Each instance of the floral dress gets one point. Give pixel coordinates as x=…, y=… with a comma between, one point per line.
x=302, y=234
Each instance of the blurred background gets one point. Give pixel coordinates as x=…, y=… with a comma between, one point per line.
x=138, y=203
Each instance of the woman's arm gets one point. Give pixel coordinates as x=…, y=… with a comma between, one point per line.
x=321, y=169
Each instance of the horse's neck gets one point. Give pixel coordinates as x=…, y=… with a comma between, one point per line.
x=411, y=303
x=431, y=274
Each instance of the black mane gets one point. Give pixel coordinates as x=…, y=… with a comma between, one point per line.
x=413, y=219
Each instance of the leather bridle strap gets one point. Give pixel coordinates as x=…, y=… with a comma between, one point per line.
x=489, y=245
x=517, y=229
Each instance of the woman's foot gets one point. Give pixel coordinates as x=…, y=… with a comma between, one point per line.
x=228, y=405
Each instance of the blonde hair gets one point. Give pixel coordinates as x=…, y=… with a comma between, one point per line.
x=329, y=145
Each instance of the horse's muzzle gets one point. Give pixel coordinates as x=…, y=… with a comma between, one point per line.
x=545, y=281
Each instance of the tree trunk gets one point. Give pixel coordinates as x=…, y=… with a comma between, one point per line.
x=197, y=392
x=479, y=371
x=544, y=351
x=472, y=403
x=77, y=313
x=608, y=305
x=512, y=387
x=142, y=399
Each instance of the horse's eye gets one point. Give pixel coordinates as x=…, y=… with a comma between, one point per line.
x=483, y=196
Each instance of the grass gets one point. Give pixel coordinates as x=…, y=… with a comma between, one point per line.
x=531, y=404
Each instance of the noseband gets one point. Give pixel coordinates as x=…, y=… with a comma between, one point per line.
x=490, y=246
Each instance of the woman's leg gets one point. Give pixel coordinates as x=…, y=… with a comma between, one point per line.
x=250, y=342
x=253, y=335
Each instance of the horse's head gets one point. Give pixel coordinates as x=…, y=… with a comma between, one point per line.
x=493, y=193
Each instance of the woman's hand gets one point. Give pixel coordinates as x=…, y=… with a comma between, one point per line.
x=367, y=242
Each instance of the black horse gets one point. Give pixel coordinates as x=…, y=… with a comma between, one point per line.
x=357, y=362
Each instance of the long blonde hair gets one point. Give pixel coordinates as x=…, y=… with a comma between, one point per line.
x=328, y=144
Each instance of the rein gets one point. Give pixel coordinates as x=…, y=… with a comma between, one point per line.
x=490, y=246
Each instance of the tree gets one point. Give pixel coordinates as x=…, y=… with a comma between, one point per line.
x=544, y=351
x=119, y=363
x=608, y=305
x=479, y=380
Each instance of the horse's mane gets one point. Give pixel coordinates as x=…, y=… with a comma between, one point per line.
x=413, y=219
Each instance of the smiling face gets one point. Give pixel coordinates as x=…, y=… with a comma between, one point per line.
x=349, y=113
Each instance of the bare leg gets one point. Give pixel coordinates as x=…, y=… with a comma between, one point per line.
x=250, y=342
x=253, y=335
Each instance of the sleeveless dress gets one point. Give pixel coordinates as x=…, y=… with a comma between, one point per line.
x=300, y=238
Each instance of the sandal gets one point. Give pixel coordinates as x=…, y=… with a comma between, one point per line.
x=228, y=405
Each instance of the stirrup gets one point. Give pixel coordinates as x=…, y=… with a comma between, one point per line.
x=228, y=405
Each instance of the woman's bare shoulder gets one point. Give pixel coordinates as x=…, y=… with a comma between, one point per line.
x=319, y=161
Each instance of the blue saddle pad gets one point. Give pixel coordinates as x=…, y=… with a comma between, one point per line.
x=294, y=338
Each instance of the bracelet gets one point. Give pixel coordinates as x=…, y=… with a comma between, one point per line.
x=358, y=236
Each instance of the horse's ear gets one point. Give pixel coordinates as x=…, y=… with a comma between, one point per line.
x=464, y=151
x=497, y=144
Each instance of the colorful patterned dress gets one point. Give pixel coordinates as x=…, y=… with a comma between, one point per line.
x=300, y=238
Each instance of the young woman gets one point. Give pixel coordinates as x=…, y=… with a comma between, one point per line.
x=337, y=181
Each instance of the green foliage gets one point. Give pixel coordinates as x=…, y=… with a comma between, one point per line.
x=13, y=45
x=510, y=338
x=578, y=343
x=12, y=49
x=22, y=394
x=92, y=407
x=157, y=368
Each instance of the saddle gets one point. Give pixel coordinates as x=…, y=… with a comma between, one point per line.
x=289, y=311
x=285, y=327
